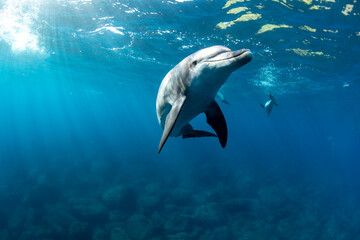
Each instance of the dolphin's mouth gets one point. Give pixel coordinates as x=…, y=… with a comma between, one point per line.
x=240, y=54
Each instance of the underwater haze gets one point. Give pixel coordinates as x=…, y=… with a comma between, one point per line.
x=79, y=131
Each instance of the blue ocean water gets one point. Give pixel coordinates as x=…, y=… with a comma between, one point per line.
x=79, y=133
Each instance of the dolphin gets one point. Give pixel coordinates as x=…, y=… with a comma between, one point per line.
x=190, y=89
x=222, y=98
x=269, y=104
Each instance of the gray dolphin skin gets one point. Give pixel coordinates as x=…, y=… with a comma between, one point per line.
x=190, y=89
x=269, y=104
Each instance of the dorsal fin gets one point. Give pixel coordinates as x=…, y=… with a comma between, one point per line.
x=171, y=120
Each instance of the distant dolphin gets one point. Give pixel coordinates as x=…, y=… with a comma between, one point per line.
x=222, y=98
x=190, y=89
x=269, y=104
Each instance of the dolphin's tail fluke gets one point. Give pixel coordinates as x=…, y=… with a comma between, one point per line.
x=198, y=133
x=188, y=132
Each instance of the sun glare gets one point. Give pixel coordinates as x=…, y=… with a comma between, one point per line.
x=16, y=25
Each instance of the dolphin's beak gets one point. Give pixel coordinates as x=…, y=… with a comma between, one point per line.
x=242, y=54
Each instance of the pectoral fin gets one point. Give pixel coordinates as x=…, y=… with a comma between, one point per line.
x=171, y=120
x=216, y=120
x=188, y=132
x=222, y=98
x=226, y=102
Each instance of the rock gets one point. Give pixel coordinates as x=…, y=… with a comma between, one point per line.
x=88, y=209
x=99, y=234
x=18, y=219
x=158, y=220
x=181, y=197
x=118, y=216
x=178, y=224
x=40, y=195
x=154, y=189
x=120, y=198
x=139, y=227
x=272, y=196
x=207, y=235
x=207, y=215
x=181, y=236
x=169, y=209
x=58, y=215
x=38, y=232
x=79, y=230
x=238, y=206
x=148, y=204
x=221, y=192
x=4, y=234
x=118, y=233
x=222, y=233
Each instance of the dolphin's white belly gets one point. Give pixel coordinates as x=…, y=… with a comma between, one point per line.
x=192, y=108
x=268, y=106
x=197, y=101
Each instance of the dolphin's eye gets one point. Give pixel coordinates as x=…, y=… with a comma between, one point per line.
x=194, y=63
